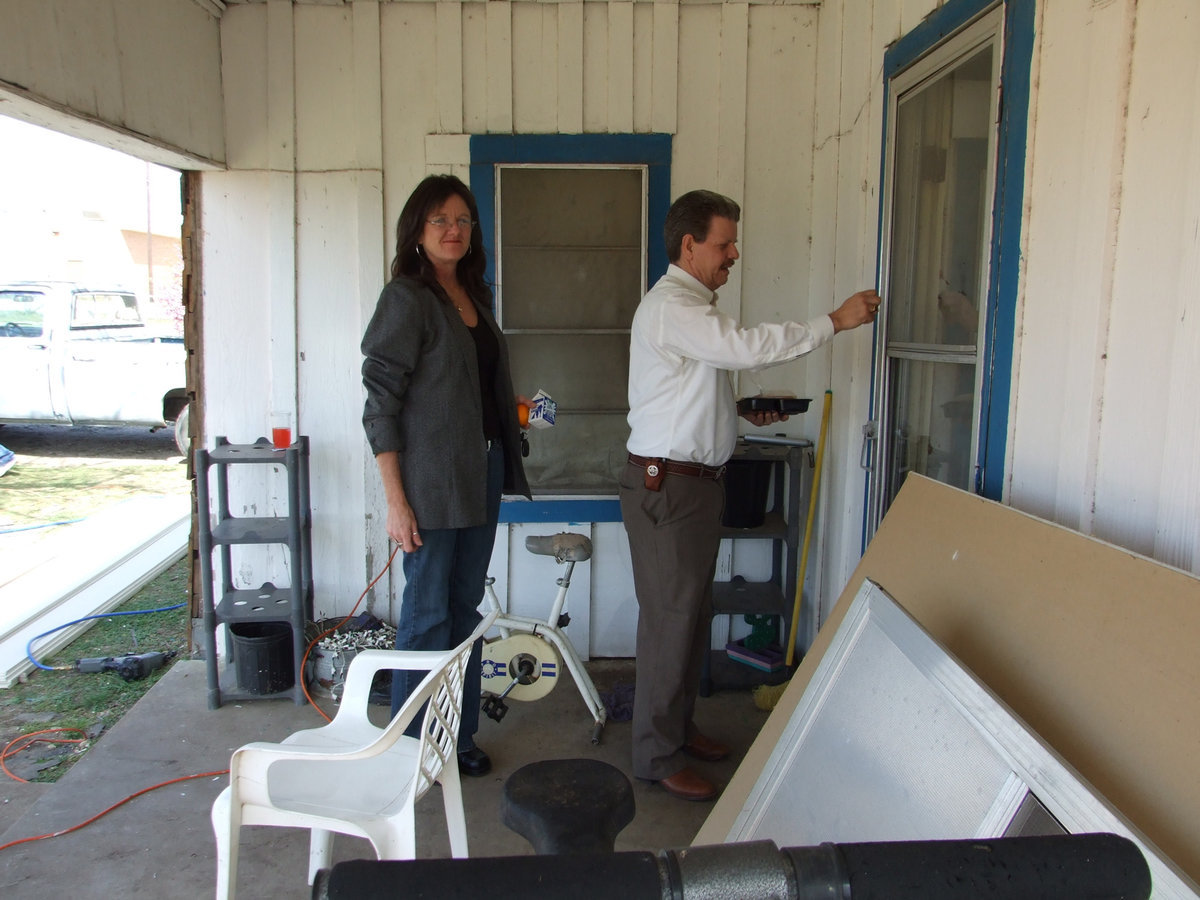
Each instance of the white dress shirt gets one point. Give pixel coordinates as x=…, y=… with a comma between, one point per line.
x=681, y=349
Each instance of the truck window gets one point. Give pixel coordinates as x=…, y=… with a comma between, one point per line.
x=104, y=310
x=20, y=314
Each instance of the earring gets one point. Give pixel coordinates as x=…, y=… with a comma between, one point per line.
x=469, y=249
x=417, y=247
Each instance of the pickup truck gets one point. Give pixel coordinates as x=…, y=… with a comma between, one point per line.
x=74, y=355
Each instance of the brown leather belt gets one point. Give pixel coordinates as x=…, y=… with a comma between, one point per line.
x=675, y=467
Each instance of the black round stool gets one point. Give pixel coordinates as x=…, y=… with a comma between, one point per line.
x=568, y=805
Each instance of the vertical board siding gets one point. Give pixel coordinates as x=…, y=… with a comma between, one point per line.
x=474, y=66
x=237, y=370
x=448, y=76
x=330, y=257
x=279, y=117
x=408, y=55
x=694, y=150
x=595, y=68
x=279, y=392
x=781, y=106
x=1104, y=420
x=499, y=68
x=643, y=67
x=243, y=46
x=324, y=40
x=236, y=203
x=159, y=38
x=570, y=68
x=535, y=67
x=845, y=211
x=839, y=522
x=620, y=68
x=367, y=258
x=1153, y=364
x=731, y=100
x=614, y=610
x=776, y=233
x=1084, y=72
x=148, y=68
x=664, y=111
x=367, y=90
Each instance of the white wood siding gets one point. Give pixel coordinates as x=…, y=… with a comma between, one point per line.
x=446, y=69
x=781, y=106
x=1105, y=420
x=327, y=114
x=847, y=134
x=332, y=112
x=141, y=76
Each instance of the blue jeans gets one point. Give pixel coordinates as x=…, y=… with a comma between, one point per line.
x=443, y=589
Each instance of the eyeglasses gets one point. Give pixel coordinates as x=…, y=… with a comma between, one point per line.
x=462, y=222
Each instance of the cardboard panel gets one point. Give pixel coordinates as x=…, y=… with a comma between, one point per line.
x=1092, y=646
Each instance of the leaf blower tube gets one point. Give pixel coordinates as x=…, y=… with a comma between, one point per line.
x=1058, y=867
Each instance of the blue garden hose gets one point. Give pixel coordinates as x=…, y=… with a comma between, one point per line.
x=130, y=612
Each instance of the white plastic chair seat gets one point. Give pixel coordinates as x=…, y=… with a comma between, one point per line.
x=352, y=776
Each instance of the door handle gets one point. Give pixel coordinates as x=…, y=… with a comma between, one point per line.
x=870, y=431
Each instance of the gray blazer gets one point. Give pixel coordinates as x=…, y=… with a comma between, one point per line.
x=422, y=380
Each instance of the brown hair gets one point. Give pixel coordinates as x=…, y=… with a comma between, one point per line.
x=691, y=214
x=431, y=193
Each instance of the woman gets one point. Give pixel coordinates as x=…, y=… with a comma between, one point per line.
x=441, y=419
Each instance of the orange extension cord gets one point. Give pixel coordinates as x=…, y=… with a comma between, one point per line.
x=317, y=639
x=26, y=741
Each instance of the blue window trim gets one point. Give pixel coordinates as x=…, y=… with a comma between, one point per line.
x=560, y=511
x=1006, y=213
x=1006, y=240
x=651, y=150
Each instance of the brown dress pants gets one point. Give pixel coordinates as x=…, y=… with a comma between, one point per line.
x=673, y=534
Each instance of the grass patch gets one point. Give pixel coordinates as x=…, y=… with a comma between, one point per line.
x=40, y=492
x=70, y=699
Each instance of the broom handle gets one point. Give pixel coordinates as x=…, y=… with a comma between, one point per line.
x=808, y=527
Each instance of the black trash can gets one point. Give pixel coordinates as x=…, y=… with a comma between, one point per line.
x=262, y=656
x=746, y=484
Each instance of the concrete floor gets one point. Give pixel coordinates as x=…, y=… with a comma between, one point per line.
x=160, y=845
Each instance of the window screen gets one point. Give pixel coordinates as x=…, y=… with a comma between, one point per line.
x=570, y=268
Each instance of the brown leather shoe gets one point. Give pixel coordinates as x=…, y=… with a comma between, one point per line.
x=705, y=748
x=687, y=785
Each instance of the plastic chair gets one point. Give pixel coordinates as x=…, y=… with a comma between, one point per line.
x=351, y=776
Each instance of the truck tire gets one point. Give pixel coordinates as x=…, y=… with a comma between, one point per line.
x=182, y=439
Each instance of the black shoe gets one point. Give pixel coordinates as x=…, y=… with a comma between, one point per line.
x=474, y=762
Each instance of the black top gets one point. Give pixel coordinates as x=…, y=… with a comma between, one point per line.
x=487, y=352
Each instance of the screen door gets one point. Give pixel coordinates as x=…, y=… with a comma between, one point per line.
x=939, y=184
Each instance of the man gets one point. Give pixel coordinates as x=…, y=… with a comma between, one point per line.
x=683, y=421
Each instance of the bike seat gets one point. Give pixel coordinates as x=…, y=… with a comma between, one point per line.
x=564, y=546
x=568, y=806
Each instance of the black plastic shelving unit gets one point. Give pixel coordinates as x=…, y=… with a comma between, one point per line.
x=783, y=525
x=219, y=531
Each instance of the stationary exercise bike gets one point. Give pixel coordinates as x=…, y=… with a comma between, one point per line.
x=522, y=664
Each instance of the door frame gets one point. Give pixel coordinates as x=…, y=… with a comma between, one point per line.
x=1007, y=209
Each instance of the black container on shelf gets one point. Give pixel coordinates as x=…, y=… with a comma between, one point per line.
x=746, y=485
x=262, y=653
